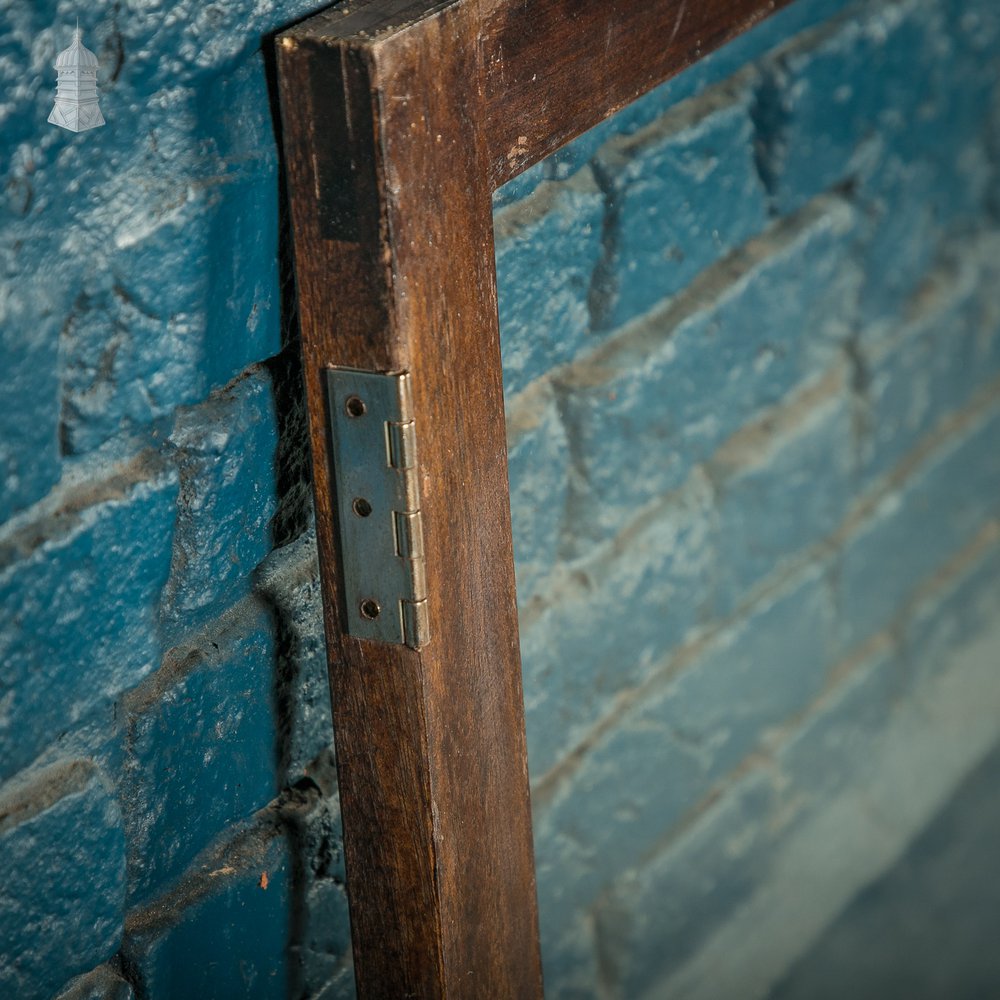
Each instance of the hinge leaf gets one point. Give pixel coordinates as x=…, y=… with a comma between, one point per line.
x=374, y=466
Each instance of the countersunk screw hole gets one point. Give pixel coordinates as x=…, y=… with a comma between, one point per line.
x=362, y=507
x=355, y=406
x=370, y=609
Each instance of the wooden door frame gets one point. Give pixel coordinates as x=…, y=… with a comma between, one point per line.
x=399, y=120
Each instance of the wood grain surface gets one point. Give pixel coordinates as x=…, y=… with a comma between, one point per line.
x=399, y=118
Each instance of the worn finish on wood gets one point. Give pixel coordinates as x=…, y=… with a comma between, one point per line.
x=554, y=68
x=399, y=118
x=377, y=689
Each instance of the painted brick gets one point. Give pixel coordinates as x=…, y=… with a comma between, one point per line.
x=662, y=911
x=978, y=28
x=829, y=751
x=959, y=84
x=665, y=754
x=62, y=861
x=909, y=200
x=103, y=983
x=911, y=930
x=165, y=287
x=341, y=987
x=664, y=227
x=289, y=582
x=833, y=99
x=569, y=962
x=229, y=943
x=710, y=70
x=933, y=177
x=681, y=381
x=771, y=33
x=846, y=107
x=226, y=459
x=658, y=915
x=325, y=960
x=243, y=307
x=171, y=317
x=901, y=244
x=320, y=961
x=782, y=486
x=804, y=835
x=201, y=747
x=914, y=530
x=546, y=249
x=29, y=427
x=35, y=290
x=612, y=621
x=947, y=619
x=521, y=186
x=538, y=467
x=79, y=614
x=124, y=365
x=930, y=365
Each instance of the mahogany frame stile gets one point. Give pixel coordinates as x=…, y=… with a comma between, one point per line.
x=400, y=118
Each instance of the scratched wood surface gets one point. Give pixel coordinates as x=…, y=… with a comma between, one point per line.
x=399, y=118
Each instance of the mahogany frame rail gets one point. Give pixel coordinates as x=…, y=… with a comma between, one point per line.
x=399, y=120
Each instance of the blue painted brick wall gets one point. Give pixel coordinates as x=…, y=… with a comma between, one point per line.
x=755, y=493
x=660, y=232
x=733, y=343
x=63, y=850
x=168, y=802
x=752, y=364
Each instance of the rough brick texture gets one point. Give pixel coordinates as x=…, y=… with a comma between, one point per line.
x=168, y=803
x=752, y=366
x=82, y=624
x=755, y=490
x=736, y=341
x=660, y=231
x=63, y=848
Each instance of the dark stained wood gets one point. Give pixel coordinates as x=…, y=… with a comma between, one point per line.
x=377, y=690
x=555, y=68
x=398, y=274
x=399, y=118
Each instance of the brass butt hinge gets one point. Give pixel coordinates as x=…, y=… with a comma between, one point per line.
x=378, y=505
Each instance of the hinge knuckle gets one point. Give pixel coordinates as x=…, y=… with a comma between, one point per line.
x=418, y=575
x=409, y=534
x=378, y=506
x=415, y=628
x=402, y=445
